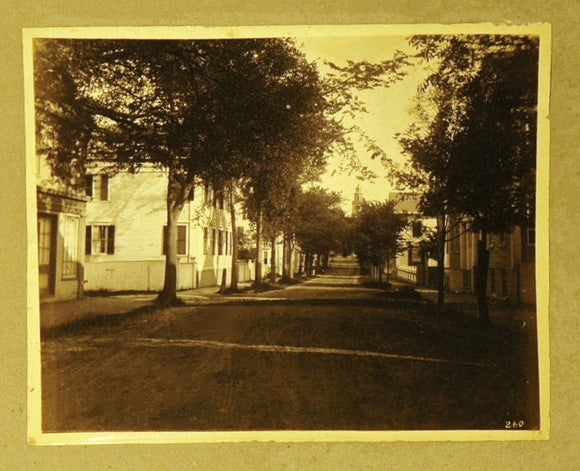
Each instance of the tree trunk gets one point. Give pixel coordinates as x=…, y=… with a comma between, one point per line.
x=175, y=202
x=258, y=280
x=307, y=258
x=234, y=240
x=285, y=258
x=481, y=279
x=291, y=246
x=273, y=260
x=224, y=279
x=380, y=272
x=441, y=236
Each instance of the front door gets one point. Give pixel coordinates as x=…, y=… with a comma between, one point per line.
x=46, y=254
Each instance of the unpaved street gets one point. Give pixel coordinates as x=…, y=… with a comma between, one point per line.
x=323, y=354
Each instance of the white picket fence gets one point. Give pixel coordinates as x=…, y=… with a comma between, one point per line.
x=149, y=275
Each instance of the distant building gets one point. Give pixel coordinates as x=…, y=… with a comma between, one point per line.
x=413, y=264
x=357, y=201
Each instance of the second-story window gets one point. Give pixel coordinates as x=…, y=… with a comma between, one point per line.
x=207, y=196
x=97, y=187
x=502, y=239
x=181, y=240
x=417, y=228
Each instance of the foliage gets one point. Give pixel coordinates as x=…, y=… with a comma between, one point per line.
x=251, y=110
x=377, y=228
x=473, y=146
x=319, y=222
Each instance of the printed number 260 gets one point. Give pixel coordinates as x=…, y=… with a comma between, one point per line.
x=511, y=424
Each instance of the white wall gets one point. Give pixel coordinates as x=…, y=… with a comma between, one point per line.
x=137, y=208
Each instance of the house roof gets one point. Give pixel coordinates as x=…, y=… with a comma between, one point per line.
x=405, y=202
x=70, y=194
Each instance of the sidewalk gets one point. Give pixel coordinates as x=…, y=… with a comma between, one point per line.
x=501, y=313
x=58, y=313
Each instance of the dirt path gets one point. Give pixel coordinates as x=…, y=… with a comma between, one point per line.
x=325, y=354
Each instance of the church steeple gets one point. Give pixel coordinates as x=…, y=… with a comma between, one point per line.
x=357, y=201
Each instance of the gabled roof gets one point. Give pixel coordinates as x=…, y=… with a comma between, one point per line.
x=405, y=202
x=70, y=194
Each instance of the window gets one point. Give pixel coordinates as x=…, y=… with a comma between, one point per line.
x=213, y=242
x=265, y=257
x=207, y=194
x=531, y=236
x=205, y=240
x=97, y=187
x=181, y=240
x=502, y=238
x=191, y=194
x=466, y=281
x=71, y=246
x=100, y=239
x=454, y=244
x=417, y=228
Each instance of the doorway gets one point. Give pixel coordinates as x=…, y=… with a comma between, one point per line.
x=46, y=254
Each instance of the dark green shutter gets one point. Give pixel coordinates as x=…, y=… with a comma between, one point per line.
x=181, y=240
x=111, y=240
x=89, y=185
x=88, y=240
x=164, y=241
x=104, y=188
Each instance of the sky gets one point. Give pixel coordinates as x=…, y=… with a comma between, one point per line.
x=388, y=108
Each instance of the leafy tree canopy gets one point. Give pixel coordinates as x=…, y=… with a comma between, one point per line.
x=377, y=228
x=473, y=147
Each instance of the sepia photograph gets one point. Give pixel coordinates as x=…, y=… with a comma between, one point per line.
x=301, y=230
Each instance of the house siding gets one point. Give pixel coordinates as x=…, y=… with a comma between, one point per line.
x=136, y=206
x=511, y=274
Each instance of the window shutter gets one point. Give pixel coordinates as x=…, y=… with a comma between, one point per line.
x=111, y=240
x=88, y=240
x=181, y=240
x=164, y=241
x=89, y=185
x=104, y=188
